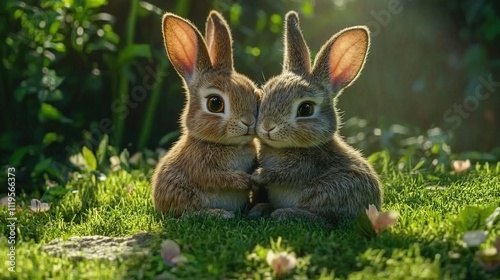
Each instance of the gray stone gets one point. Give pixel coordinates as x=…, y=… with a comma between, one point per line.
x=100, y=247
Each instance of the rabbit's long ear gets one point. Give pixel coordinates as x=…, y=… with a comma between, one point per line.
x=219, y=41
x=296, y=58
x=185, y=47
x=342, y=58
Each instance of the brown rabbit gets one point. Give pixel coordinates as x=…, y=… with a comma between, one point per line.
x=306, y=167
x=208, y=169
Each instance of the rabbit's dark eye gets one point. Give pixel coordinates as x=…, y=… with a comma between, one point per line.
x=215, y=104
x=305, y=109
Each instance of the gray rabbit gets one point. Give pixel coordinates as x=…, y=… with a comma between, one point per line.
x=306, y=167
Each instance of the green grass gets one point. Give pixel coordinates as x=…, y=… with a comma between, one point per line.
x=425, y=243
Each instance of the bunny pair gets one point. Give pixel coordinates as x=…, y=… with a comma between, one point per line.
x=306, y=168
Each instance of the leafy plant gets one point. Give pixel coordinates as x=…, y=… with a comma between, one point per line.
x=44, y=41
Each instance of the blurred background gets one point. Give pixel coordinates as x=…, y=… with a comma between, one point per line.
x=74, y=71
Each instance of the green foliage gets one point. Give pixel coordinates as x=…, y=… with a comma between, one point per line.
x=89, y=158
x=54, y=194
x=420, y=149
x=107, y=158
x=101, y=150
x=45, y=38
x=474, y=218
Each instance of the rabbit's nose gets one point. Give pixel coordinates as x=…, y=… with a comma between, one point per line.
x=269, y=126
x=248, y=120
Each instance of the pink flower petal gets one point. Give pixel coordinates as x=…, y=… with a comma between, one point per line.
x=171, y=252
x=372, y=214
x=281, y=263
x=386, y=220
x=115, y=163
x=381, y=220
x=38, y=206
x=461, y=165
x=178, y=260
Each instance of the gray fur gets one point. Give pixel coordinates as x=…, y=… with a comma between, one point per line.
x=306, y=167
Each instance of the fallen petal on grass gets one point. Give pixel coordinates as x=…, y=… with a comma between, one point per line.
x=130, y=189
x=171, y=253
x=135, y=158
x=372, y=213
x=78, y=161
x=436, y=188
x=474, y=238
x=4, y=201
x=38, y=206
x=461, y=165
x=381, y=220
x=100, y=176
x=453, y=255
x=151, y=162
x=489, y=258
x=115, y=163
x=51, y=184
x=281, y=263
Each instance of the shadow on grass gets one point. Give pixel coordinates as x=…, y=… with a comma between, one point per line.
x=219, y=249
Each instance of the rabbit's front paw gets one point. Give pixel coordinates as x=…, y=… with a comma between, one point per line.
x=259, y=177
x=260, y=210
x=263, y=177
x=242, y=181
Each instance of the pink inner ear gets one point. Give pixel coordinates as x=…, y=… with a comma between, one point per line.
x=347, y=57
x=182, y=44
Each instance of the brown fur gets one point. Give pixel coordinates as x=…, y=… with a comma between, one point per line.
x=306, y=167
x=209, y=168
